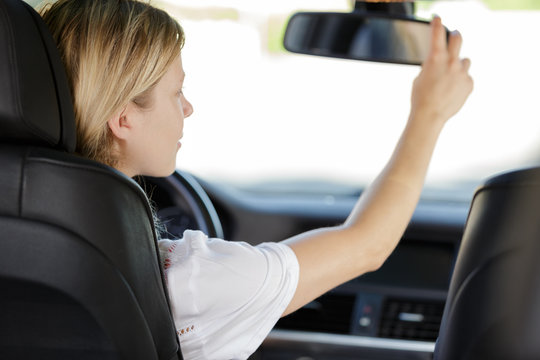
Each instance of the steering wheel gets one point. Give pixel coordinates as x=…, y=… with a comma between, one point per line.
x=181, y=204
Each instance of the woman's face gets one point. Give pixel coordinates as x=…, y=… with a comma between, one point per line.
x=158, y=129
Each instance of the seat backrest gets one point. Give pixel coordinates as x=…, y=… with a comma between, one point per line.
x=80, y=276
x=493, y=306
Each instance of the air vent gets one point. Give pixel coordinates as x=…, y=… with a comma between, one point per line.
x=411, y=320
x=330, y=313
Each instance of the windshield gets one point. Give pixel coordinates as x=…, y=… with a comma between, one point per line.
x=262, y=114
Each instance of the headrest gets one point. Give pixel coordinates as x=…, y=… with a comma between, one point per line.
x=35, y=101
x=515, y=178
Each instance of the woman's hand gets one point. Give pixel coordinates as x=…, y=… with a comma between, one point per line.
x=444, y=83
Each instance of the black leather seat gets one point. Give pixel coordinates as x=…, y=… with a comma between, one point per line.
x=79, y=269
x=493, y=307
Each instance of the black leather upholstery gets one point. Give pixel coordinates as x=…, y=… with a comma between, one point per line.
x=79, y=269
x=493, y=307
x=35, y=104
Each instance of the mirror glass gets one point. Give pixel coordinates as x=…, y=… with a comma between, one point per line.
x=360, y=36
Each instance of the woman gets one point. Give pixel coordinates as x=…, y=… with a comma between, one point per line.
x=125, y=69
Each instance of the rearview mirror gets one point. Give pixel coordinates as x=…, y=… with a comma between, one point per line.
x=359, y=36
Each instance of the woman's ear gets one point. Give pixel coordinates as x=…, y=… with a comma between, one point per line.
x=121, y=124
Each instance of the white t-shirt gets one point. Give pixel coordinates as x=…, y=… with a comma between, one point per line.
x=226, y=296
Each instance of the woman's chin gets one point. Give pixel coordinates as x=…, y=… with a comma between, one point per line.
x=165, y=173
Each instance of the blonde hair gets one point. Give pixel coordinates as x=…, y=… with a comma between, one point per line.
x=114, y=51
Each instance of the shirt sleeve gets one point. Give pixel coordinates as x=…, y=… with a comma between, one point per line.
x=226, y=296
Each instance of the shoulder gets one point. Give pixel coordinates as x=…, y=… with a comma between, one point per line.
x=196, y=246
x=218, y=286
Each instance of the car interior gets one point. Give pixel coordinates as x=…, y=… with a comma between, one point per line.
x=80, y=274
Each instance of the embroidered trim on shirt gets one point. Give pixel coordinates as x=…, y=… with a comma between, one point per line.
x=186, y=330
x=167, y=260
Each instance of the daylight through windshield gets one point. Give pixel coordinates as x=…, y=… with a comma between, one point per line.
x=264, y=114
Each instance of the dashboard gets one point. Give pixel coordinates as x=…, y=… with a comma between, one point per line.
x=392, y=313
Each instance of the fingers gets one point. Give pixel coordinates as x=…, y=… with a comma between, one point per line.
x=466, y=63
x=454, y=44
x=443, y=84
x=438, y=36
x=439, y=46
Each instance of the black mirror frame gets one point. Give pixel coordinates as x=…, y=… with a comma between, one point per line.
x=353, y=14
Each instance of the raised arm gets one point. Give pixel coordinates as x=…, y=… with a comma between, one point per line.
x=331, y=256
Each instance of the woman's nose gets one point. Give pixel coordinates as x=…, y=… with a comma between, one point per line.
x=188, y=108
